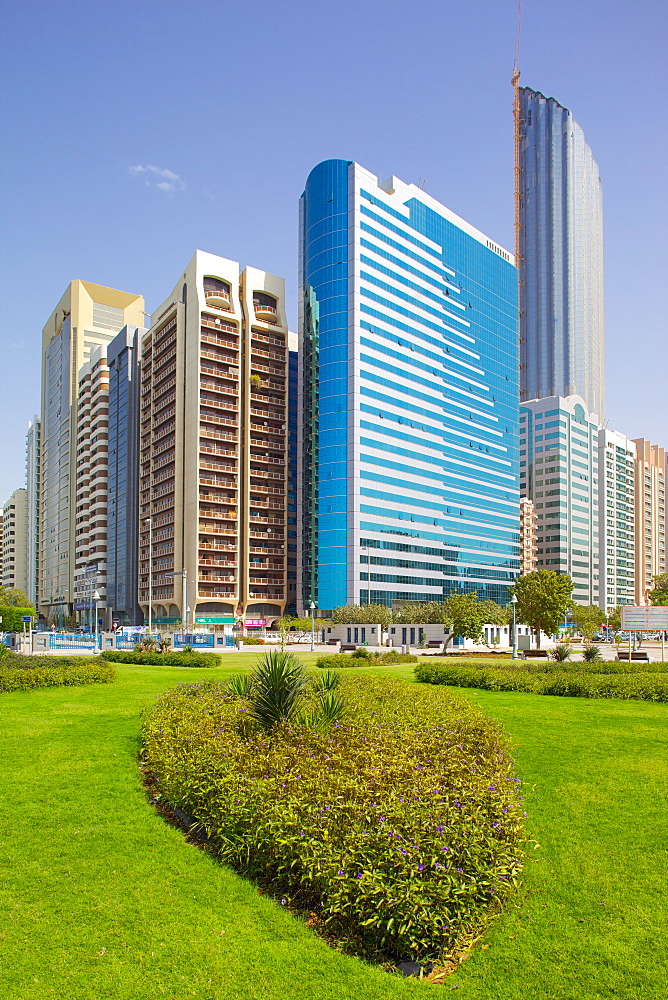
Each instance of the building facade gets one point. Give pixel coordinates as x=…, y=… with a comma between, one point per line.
x=87, y=316
x=561, y=256
x=528, y=537
x=91, y=483
x=408, y=397
x=650, y=516
x=616, y=459
x=293, y=430
x=32, y=499
x=559, y=472
x=14, y=540
x=214, y=447
x=123, y=359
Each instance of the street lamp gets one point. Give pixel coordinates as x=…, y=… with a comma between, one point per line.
x=513, y=601
x=312, y=610
x=150, y=572
x=96, y=598
x=185, y=610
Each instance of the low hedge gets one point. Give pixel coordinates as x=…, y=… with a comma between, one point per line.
x=55, y=674
x=398, y=827
x=187, y=659
x=571, y=683
x=335, y=661
x=23, y=662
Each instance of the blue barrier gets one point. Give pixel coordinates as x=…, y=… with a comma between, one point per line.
x=60, y=641
x=197, y=639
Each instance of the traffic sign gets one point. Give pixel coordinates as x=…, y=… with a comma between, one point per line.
x=644, y=619
x=26, y=618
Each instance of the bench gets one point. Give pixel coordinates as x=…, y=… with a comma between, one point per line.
x=348, y=647
x=535, y=654
x=433, y=643
x=637, y=656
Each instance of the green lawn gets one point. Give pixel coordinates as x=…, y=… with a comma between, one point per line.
x=101, y=899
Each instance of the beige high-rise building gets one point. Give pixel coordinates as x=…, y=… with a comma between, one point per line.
x=650, y=516
x=213, y=449
x=87, y=316
x=14, y=537
x=90, y=572
x=528, y=537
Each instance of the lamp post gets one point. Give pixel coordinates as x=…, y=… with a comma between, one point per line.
x=513, y=601
x=150, y=572
x=96, y=598
x=312, y=610
x=185, y=610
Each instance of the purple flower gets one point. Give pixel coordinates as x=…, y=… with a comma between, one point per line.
x=283, y=902
x=440, y=829
x=403, y=851
x=420, y=868
x=359, y=875
x=460, y=869
x=340, y=872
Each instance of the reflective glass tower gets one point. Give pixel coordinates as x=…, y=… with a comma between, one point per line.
x=561, y=262
x=409, y=395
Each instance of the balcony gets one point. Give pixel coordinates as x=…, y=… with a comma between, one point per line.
x=217, y=293
x=218, y=299
x=265, y=307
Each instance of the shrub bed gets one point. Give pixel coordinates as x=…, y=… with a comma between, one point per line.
x=335, y=661
x=398, y=827
x=575, y=682
x=52, y=672
x=186, y=659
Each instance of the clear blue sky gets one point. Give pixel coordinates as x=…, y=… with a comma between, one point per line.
x=240, y=100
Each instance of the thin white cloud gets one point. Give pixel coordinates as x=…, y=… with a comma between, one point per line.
x=158, y=177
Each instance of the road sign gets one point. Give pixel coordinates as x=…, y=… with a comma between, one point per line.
x=26, y=618
x=647, y=619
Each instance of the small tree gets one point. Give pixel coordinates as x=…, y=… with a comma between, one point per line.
x=659, y=594
x=366, y=614
x=465, y=616
x=543, y=598
x=11, y=618
x=588, y=619
x=615, y=618
x=283, y=626
x=15, y=598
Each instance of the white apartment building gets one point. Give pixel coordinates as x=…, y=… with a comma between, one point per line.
x=14, y=518
x=32, y=524
x=559, y=471
x=213, y=447
x=90, y=572
x=650, y=516
x=616, y=456
x=86, y=317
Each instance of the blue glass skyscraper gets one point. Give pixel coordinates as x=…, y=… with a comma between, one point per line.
x=561, y=256
x=409, y=397
x=123, y=499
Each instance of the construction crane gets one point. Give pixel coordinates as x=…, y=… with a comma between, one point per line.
x=518, y=132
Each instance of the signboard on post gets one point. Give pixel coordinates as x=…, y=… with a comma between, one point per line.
x=26, y=618
x=646, y=619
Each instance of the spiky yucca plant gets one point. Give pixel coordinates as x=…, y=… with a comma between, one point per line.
x=278, y=684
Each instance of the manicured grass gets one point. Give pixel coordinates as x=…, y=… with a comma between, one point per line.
x=101, y=899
